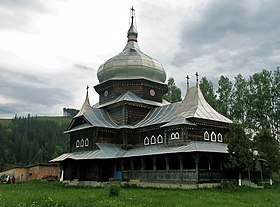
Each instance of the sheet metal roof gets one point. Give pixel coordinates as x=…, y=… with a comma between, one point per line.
x=95, y=117
x=194, y=105
x=129, y=96
x=110, y=151
x=105, y=151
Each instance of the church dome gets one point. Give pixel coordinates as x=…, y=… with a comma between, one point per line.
x=131, y=63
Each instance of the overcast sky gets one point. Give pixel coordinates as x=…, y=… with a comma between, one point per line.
x=50, y=50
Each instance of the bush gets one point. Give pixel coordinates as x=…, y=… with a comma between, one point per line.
x=229, y=185
x=114, y=190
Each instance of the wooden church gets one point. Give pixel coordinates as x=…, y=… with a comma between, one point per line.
x=133, y=133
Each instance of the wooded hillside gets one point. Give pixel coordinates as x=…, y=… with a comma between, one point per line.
x=30, y=140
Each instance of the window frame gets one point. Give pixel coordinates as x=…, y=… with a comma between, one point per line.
x=77, y=143
x=86, y=142
x=160, y=137
x=213, y=134
x=146, y=141
x=220, y=137
x=153, y=140
x=206, y=136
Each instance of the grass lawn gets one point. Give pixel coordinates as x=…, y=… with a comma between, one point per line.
x=49, y=194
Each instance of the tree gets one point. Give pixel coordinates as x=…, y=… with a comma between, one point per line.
x=268, y=149
x=276, y=103
x=224, y=91
x=174, y=93
x=260, y=96
x=207, y=89
x=240, y=149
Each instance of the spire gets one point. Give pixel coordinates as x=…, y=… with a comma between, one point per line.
x=132, y=33
x=86, y=105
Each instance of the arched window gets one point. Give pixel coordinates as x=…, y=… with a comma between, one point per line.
x=177, y=135
x=82, y=143
x=153, y=140
x=220, y=138
x=86, y=142
x=213, y=137
x=160, y=139
x=206, y=136
x=77, y=144
x=146, y=141
x=172, y=135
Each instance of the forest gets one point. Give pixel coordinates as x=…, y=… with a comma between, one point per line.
x=30, y=140
x=252, y=101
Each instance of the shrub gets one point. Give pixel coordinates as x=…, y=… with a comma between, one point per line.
x=229, y=185
x=114, y=190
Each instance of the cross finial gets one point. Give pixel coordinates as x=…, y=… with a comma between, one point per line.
x=132, y=13
x=87, y=89
x=188, y=78
x=196, y=74
x=132, y=9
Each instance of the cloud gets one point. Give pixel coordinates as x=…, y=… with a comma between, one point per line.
x=19, y=14
x=24, y=93
x=231, y=37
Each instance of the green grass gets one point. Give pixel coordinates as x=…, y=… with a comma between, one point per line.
x=49, y=194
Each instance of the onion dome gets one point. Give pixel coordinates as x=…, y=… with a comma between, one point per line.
x=131, y=63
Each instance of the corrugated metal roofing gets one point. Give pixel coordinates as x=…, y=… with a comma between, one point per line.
x=110, y=151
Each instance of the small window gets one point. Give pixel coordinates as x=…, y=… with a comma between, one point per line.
x=206, y=136
x=177, y=135
x=146, y=141
x=160, y=139
x=220, y=138
x=172, y=135
x=86, y=142
x=82, y=143
x=77, y=144
x=153, y=140
x=213, y=137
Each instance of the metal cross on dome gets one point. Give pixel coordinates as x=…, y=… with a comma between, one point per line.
x=132, y=12
x=87, y=88
x=196, y=74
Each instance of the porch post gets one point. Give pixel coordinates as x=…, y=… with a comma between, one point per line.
x=196, y=159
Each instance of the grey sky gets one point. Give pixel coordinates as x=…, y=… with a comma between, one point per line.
x=50, y=50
